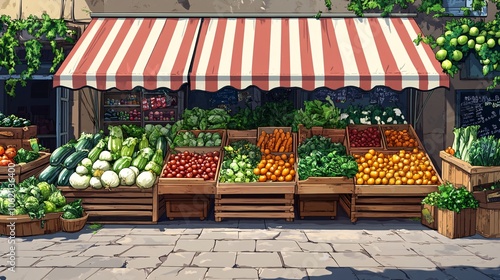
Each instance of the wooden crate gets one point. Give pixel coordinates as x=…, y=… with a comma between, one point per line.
x=461, y=173
x=488, y=222
x=346, y=202
x=189, y=185
x=222, y=133
x=121, y=205
x=429, y=216
x=363, y=149
x=21, y=172
x=255, y=200
x=187, y=206
x=270, y=130
x=486, y=196
x=455, y=225
x=318, y=206
x=11, y=133
x=25, y=226
x=30, y=131
x=399, y=127
x=241, y=133
x=337, y=135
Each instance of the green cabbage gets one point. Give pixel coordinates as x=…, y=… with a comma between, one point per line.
x=58, y=199
x=31, y=204
x=49, y=207
x=45, y=189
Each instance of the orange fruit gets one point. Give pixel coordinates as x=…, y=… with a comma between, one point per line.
x=287, y=164
x=370, y=181
x=267, y=151
x=262, y=178
x=274, y=178
x=360, y=181
x=268, y=165
x=261, y=165
x=277, y=172
x=378, y=181
x=256, y=171
x=263, y=171
x=284, y=157
x=292, y=172
x=271, y=161
x=285, y=171
x=365, y=177
x=268, y=175
x=272, y=169
x=410, y=182
x=281, y=163
x=291, y=160
x=277, y=158
x=281, y=178
x=368, y=156
x=374, y=174
x=288, y=178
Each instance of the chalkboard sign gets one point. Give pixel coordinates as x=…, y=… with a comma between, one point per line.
x=480, y=108
x=225, y=96
x=378, y=95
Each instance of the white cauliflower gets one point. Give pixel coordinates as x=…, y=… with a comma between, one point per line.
x=366, y=113
x=344, y=116
x=395, y=122
x=389, y=120
x=378, y=119
x=397, y=111
x=365, y=120
x=351, y=121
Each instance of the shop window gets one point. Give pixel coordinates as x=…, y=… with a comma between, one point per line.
x=454, y=7
x=473, y=70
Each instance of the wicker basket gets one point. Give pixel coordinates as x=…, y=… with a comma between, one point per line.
x=74, y=225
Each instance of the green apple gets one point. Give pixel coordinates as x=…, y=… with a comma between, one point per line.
x=449, y=32
x=441, y=55
x=446, y=64
x=480, y=39
x=477, y=47
x=485, y=62
x=457, y=55
x=497, y=35
x=440, y=41
x=490, y=43
x=491, y=32
x=483, y=33
x=495, y=66
x=498, y=41
x=465, y=28
x=486, y=70
x=453, y=42
x=462, y=40
x=471, y=43
x=474, y=31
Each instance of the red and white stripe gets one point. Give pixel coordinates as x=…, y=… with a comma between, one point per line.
x=124, y=53
x=310, y=53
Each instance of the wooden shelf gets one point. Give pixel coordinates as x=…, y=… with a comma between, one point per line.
x=122, y=106
x=159, y=109
x=121, y=121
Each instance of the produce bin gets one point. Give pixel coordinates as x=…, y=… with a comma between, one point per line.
x=483, y=194
x=222, y=133
x=25, y=226
x=459, y=172
x=120, y=205
x=23, y=171
x=231, y=133
x=488, y=222
x=399, y=127
x=455, y=225
x=361, y=127
x=26, y=132
x=429, y=216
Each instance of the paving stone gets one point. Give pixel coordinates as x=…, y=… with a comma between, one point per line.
x=58, y=261
x=24, y=273
x=476, y=239
x=196, y=231
x=119, y=273
x=145, y=262
x=340, y=236
x=149, y=239
x=277, y=246
x=104, y=262
x=258, y=260
x=147, y=251
x=68, y=247
x=122, y=230
x=163, y=272
x=32, y=246
x=252, y=224
x=179, y=259
x=494, y=273
x=439, y=250
x=474, y=261
x=71, y=273
x=388, y=249
x=147, y=230
x=344, y=247
x=308, y=260
x=191, y=273
x=292, y=235
x=315, y=247
x=259, y=234
x=106, y=250
x=219, y=235
x=404, y=261
x=372, y=273
x=228, y=272
x=194, y=245
x=105, y=238
x=486, y=251
x=189, y=236
x=466, y=273
x=282, y=273
x=340, y=273
x=354, y=259
x=430, y=273
x=19, y=261
x=383, y=235
x=235, y=245
x=416, y=236
x=215, y=259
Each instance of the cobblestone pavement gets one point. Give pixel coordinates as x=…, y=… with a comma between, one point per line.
x=254, y=249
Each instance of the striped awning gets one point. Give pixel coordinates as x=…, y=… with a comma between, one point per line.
x=124, y=53
x=309, y=53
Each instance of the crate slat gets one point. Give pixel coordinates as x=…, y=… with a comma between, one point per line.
x=261, y=206
x=488, y=222
x=91, y=207
x=187, y=206
x=456, y=225
x=399, y=127
x=318, y=206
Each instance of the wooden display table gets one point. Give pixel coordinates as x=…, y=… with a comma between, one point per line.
x=121, y=205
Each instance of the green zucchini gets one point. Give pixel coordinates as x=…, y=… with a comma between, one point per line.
x=161, y=144
x=140, y=162
x=84, y=144
x=73, y=160
x=61, y=153
x=121, y=163
x=50, y=174
x=63, y=178
x=97, y=137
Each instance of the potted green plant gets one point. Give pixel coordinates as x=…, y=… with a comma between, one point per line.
x=74, y=217
x=456, y=211
x=429, y=210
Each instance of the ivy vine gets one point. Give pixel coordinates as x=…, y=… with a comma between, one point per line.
x=462, y=37
x=42, y=30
